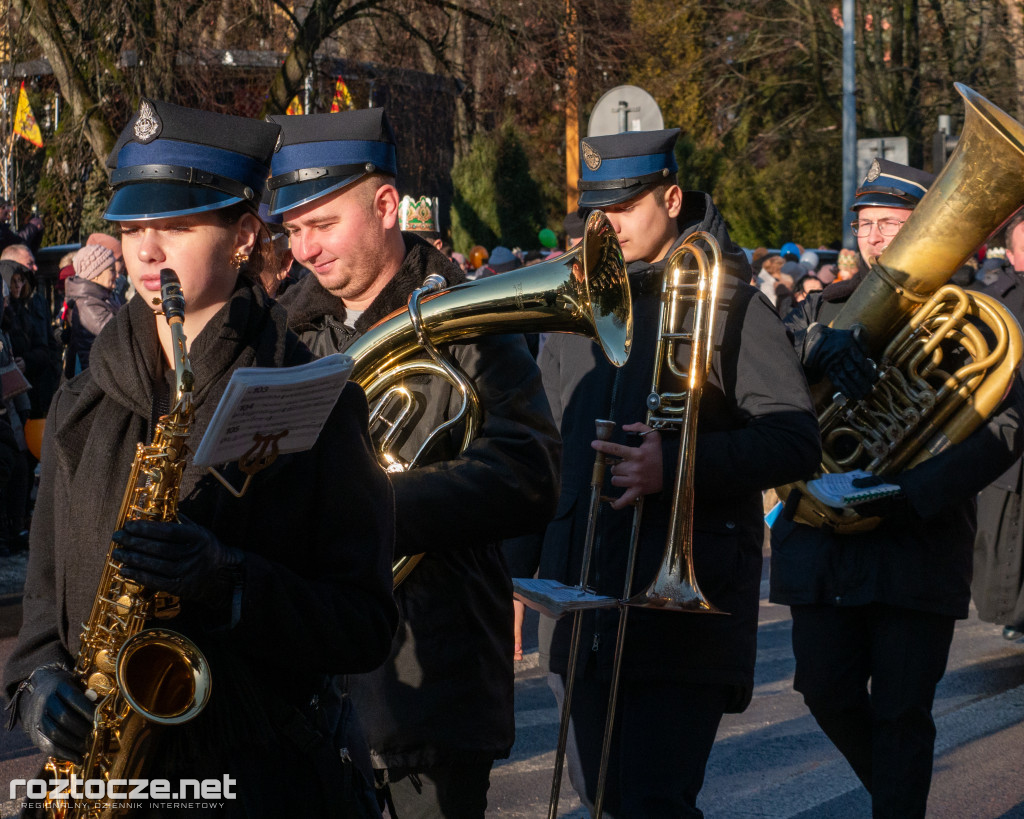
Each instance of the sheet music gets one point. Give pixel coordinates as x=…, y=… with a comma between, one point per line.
x=268, y=401
x=554, y=599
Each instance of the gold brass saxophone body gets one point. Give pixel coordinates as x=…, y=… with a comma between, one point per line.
x=139, y=674
x=926, y=399
x=584, y=291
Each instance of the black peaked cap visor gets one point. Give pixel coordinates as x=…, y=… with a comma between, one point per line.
x=158, y=200
x=285, y=198
x=611, y=196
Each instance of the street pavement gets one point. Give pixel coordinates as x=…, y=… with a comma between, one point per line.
x=770, y=762
x=773, y=762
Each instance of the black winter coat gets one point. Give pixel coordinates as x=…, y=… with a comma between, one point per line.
x=755, y=428
x=447, y=686
x=998, y=583
x=28, y=327
x=920, y=560
x=316, y=595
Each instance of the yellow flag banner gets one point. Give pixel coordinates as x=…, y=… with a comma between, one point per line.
x=294, y=107
x=25, y=124
x=342, y=98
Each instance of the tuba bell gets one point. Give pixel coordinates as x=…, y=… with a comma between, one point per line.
x=584, y=291
x=923, y=400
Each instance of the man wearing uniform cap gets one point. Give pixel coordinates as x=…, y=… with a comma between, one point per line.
x=873, y=611
x=439, y=712
x=681, y=672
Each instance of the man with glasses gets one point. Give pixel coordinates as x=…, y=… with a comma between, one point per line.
x=874, y=611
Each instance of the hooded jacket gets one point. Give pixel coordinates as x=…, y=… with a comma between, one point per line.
x=447, y=686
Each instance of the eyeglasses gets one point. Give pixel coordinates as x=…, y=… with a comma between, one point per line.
x=887, y=227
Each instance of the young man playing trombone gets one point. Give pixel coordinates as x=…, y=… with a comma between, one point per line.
x=680, y=671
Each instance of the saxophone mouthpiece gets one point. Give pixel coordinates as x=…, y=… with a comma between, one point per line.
x=171, y=297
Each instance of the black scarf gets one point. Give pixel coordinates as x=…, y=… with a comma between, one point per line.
x=113, y=412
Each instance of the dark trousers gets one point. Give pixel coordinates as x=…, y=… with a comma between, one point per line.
x=456, y=790
x=886, y=732
x=662, y=737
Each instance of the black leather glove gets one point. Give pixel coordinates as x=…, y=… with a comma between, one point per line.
x=842, y=357
x=893, y=508
x=55, y=713
x=183, y=559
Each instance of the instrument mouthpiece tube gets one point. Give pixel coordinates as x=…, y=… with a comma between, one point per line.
x=170, y=295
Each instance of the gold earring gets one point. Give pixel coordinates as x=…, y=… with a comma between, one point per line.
x=239, y=259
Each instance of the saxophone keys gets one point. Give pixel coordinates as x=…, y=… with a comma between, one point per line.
x=100, y=684
x=104, y=661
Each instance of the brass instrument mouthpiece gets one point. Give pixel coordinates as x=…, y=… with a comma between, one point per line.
x=170, y=295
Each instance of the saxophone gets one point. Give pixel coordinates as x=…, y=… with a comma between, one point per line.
x=141, y=676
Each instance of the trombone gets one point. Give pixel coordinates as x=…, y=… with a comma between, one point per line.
x=674, y=588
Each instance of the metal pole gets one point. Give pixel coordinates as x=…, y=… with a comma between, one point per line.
x=604, y=431
x=849, y=118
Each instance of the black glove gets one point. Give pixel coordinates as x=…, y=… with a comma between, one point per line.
x=183, y=559
x=893, y=508
x=55, y=713
x=841, y=356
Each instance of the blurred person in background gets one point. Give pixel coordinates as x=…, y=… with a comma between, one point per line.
x=91, y=301
x=30, y=235
x=998, y=583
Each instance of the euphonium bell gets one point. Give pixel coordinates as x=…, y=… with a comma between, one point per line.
x=584, y=291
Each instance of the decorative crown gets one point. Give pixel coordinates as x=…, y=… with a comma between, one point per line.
x=418, y=214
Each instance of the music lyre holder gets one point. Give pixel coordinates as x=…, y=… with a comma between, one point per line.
x=258, y=457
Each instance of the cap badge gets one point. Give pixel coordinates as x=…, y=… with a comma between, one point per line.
x=874, y=172
x=591, y=158
x=147, y=123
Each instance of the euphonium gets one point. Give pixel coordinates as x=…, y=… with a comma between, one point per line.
x=584, y=291
x=920, y=404
x=139, y=674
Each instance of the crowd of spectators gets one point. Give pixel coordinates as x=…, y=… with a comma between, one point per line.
x=45, y=335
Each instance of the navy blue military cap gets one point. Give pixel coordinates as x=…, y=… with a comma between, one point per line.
x=172, y=161
x=319, y=154
x=617, y=167
x=891, y=185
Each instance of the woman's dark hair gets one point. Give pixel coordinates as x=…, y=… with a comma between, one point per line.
x=230, y=217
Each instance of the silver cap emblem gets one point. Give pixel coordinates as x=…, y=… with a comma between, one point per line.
x=147, y=123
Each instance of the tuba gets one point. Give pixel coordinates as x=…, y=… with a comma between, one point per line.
x=584, y=291
x=924, y=399
x=140, y=675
